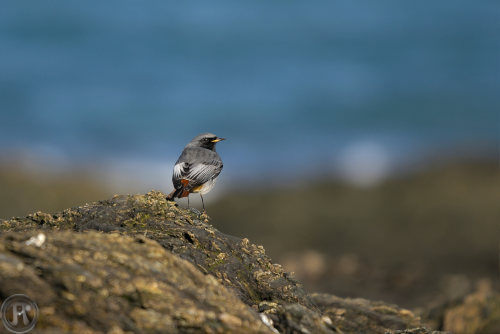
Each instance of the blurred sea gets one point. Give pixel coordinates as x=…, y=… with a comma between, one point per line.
x=356, y=89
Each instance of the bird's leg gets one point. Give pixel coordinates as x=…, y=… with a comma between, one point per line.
x=188, y=201
x=204, y=211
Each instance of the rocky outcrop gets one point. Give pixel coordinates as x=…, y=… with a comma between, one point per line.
x=477, y=311
x=110, y=283
x=141, y=264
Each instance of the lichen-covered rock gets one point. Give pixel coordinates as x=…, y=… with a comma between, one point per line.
x=134, y=278
x=237, y=263
x=93, y=283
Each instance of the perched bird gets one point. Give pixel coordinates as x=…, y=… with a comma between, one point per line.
x=197, y=167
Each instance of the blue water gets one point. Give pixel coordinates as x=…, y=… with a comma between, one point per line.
x=294, y=85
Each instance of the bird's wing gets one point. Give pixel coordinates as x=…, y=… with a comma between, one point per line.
x=197, y=166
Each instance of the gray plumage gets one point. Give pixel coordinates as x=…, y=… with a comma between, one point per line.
x=197, y=168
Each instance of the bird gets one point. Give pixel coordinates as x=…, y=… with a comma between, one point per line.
x=197, y=168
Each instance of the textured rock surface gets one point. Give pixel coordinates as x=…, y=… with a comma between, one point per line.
x=163, y=269
x=354, y=314
x=93, y=282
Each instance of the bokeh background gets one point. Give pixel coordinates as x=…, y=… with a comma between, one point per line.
x=363, y=137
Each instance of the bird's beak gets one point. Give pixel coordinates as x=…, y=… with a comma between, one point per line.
x=216, y=140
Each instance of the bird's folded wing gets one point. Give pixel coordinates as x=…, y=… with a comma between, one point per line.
x=198, y=173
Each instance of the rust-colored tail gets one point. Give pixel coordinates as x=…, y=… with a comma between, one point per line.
x=180, y=192
x=175, y=193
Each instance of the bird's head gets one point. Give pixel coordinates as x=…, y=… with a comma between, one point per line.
x=205, y=140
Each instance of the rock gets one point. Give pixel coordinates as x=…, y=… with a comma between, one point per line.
x=420, y=330
x=95, y=283
x=478, y=312
x=162, y=269
x=237, y=263
x=360, y=315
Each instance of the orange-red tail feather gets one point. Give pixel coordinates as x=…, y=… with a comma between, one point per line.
x=179, y=193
